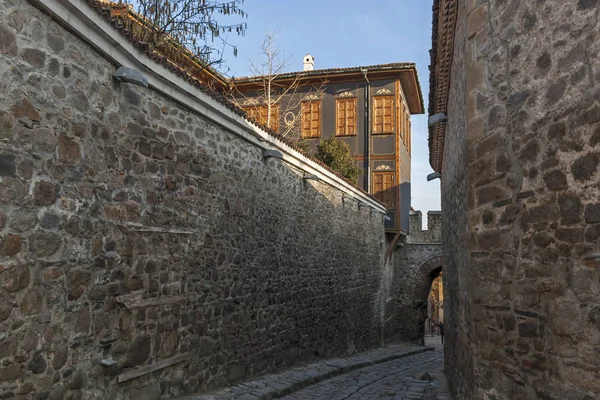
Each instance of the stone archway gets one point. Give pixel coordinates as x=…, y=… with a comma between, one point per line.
x=424, y=277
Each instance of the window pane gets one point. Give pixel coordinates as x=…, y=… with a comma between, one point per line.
x=383, y=114
x=311, y=118
x=383, y=188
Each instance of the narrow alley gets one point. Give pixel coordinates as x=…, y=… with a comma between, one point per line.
x=416, y=374
x=419, y=376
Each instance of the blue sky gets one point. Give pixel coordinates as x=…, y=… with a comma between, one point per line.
x=345, y=33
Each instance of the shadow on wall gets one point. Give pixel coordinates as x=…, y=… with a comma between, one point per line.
x=154, y=238
x=425, y=276
x=415, y=264
x=397, y=200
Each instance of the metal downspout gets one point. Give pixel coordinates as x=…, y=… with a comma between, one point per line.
x=367, y=179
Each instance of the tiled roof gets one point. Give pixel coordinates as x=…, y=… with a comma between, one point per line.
x=105, y=9
x=135, y=25
x=332, y=71
x=444, y=22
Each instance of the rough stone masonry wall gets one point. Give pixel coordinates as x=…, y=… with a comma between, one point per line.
x=414, y=266
x=456, y=278
x=530, y=204
x=433, y=233
x=133, y=229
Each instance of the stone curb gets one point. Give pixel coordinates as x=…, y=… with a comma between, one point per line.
x=292, y=380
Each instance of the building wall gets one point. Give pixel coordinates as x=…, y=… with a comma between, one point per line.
x=433, y=233
x=415, y=265
x=455, y=228
x=136, y=230
x=405, y=169
x=386, y=151
x=524, y=281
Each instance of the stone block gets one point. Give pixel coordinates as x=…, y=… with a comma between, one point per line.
x=556, y=180
x=33, y=302
x=68, y=150
x=592, y=213
x=477, y=20
x=129, y=211
x=138, y=351
x=78, y=380
x=43, y=244
x=8, y=41
x=471, y=4
x=585, y=166
x=45, y=193
x=37, y=364
x=7, y=164
x=24, y=108
x=34, y=57
x=12, y=244
x=5, y=307
x=236, y=372
x=60, y=356
x=15, y=278
x=151, y=392
x=10, y=373
x=83, y=321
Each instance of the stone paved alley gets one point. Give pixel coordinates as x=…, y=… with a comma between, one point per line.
x=396, y=379
x=391, y=380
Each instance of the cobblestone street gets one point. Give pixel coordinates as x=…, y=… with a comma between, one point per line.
x=392, y=380
x=396, y=372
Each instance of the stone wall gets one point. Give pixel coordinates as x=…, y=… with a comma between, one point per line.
x=433, y=233
x=414, y=264
x=521, y=229
x=134, y=230
x=457, y=349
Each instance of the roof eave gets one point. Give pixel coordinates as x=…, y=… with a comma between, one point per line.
x=443, y=36
x=413, y=90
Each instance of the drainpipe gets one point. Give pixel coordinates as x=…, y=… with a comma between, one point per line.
x=367, y=179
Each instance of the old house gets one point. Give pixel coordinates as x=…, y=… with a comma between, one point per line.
x=367, y=107
x=319, y=104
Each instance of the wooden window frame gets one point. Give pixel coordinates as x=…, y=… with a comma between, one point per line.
x=346, y=125
x=401, y=123
x=310, y=129
x=259, y=113
x=392, y=123
x=406, y=134
x=389, y=203
x=409, y=135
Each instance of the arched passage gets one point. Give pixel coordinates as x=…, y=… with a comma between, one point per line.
x=426, y=273
x=424, y=277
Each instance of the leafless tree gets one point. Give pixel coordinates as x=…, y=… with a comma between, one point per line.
x=274, y=93
x=192, y=23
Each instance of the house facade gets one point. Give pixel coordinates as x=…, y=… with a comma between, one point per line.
x=369, y=108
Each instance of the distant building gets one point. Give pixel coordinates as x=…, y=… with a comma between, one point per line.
x=368, y=107
x=435, y=305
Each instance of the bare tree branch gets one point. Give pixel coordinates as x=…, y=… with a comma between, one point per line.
x=192, y=23
x=287, y=97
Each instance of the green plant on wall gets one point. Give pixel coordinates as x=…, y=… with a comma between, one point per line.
x=336, y=154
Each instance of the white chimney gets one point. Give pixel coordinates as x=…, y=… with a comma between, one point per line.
x=309, y=62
